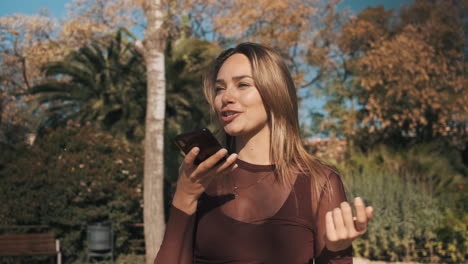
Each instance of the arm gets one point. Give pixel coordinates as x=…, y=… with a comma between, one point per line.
x=177, y=245
x=332, y=195
x=336, y=226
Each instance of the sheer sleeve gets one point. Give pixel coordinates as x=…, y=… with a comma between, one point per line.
x=177, y=245
x=331, y=196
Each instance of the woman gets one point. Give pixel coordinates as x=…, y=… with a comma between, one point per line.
x=270, y=201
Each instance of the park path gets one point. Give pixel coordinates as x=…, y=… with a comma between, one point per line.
x=366, y=261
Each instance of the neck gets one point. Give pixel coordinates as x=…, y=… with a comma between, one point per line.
x=255, y=148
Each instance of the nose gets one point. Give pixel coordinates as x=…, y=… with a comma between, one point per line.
x=229, y=96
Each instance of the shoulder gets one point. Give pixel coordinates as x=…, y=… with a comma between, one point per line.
x=324, y=185
x=324, y=181
x=321, y=173
x=333, y=178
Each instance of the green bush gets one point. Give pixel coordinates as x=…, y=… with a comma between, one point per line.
x=72, y=177
x=403, y=214
x=419, y=204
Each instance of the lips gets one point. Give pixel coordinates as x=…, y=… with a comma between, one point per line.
x=229, y=115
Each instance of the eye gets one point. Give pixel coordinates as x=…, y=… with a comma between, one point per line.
x=244, y=84
x=218, y=88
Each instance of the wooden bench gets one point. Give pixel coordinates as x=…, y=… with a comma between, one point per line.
x=43, y=244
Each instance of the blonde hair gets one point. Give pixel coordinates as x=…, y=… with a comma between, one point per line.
x=276, y=87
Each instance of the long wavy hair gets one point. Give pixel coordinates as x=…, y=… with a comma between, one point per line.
x=276, y=87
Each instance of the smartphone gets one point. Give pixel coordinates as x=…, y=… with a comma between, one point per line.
x=202, y=139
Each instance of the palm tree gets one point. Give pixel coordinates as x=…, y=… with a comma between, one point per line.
x=186, y=107
x=186, y=60
x=103, y=83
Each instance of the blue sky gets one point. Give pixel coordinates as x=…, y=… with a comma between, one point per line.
x=57, y=7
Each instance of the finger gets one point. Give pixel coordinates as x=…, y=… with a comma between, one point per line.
x=330, y=227
x=348, y=218
x=234, y=167
x=369, y=212
x=208, y=164
x=190, y=157
x=340, y=228
x=227, y=164
x=361, y=216
x=218, y=169
x=212, y=160
x=206, y=178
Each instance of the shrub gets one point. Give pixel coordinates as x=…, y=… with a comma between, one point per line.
x=71, y=177
x=418, y=200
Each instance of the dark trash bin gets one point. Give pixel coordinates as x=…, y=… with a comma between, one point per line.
x=100, y=238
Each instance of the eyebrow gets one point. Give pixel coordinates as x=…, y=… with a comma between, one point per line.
x=235, y=78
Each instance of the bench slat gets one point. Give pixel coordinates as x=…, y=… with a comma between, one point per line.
x=27, y=236
x=33, y=247
x=27, y=244
x=27, y=253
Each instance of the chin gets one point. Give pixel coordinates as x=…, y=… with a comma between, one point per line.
x=232, y=131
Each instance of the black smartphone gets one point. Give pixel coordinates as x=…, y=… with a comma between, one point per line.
x=203, y=139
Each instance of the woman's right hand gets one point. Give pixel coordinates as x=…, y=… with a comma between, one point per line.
x=193, y=180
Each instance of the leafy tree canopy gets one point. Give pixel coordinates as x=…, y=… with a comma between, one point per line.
x=398, y=78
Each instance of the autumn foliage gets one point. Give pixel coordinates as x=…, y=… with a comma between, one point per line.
x=393, y=83
x=413, y=79
x=400, y=77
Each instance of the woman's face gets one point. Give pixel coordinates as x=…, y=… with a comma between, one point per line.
x=237, y=101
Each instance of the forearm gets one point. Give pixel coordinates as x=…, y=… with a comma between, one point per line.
x=177, y=243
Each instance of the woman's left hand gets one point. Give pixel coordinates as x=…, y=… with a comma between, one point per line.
x=342, y=228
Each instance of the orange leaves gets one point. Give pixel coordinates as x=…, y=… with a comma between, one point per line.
x=24, y=37
x=27, y=42
x=91, y=18
x=419, y=82
x=80, y=30
x=407, y=72
x=24, y=46
x=290, y=26
x=265, y=21
x=368, y=28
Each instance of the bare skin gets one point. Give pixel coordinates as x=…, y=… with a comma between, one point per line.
x=342, y=228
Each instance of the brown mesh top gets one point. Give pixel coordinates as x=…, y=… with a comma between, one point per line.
x=253, y=220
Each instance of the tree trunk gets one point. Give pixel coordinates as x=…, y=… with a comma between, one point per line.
x=153, y=211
